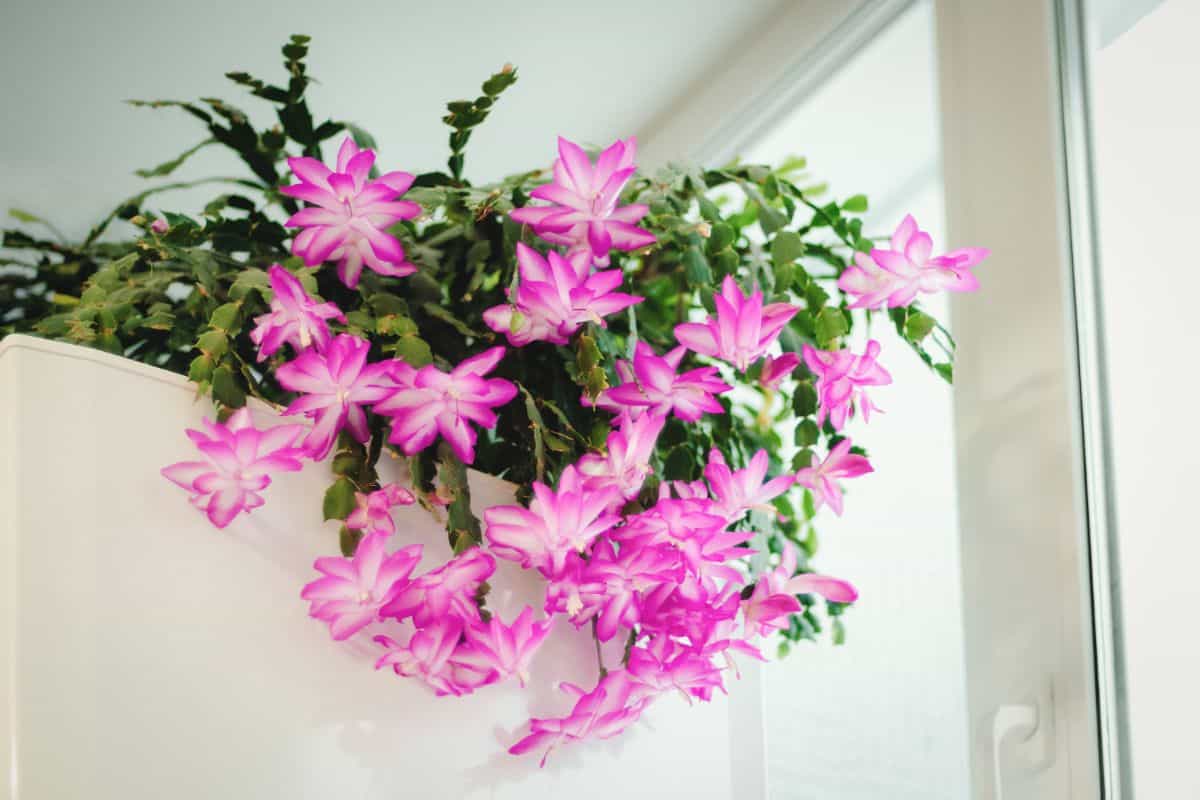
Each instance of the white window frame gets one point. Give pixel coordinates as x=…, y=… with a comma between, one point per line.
x=1043, y=670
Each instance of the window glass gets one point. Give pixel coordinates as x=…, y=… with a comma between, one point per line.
x=884, y=714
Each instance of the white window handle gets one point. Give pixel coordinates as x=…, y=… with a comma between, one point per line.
x=1007, y=723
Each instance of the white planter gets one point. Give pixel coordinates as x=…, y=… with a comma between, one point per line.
x=146, y=654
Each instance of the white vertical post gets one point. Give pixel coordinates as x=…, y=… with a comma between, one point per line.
x=1027, y=610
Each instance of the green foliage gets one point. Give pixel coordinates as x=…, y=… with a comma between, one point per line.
x=184, y=299
x=463, y=116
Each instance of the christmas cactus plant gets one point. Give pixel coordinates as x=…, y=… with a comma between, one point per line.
x=659, y=362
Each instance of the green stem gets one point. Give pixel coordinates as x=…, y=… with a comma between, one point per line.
x=629, y=643
x=763, y=422
x=599, y=656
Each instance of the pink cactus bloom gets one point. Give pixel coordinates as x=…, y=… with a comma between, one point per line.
x=823, y=478
x=776, y=369
x=334, y=386
x=833, y=589
x=626, y=463
x=742, y=329
x=159, y=226
x=773, y=600
x=617, y=702
x=556, y=297
x=557, y=523
x=665, y=665
x=765, y=612
x=774, y=597
x=721, y=639
x=693, y=611
x=869, y=285
x=684, y=490
x=353, y=590
x=504, y=649
x=294, y=317
x=426, y=656
x=895, y=276
x=671, y=521
x=447, y=592
x=695, y=530
x=373, y=512
x=585, y=215
x=658, y=389
x=613, y=583
x=350, y=213
x=431, y=402
x=842, y=378
x=737, y=491
x=238, y=461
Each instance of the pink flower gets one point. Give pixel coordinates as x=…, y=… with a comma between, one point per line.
x=871, y=286
x=822, y=479
x=159, y=226
x=742, y=330
x=658, y=389
x=765, y=611
x=431, y=402
x=776, y=369
x=842, y=378
x=353, y=590
x=239, y=458
x=334, y=387
x=774, y=597
x=895, y=276
x=626, y=463
x=695, y=530
x=294, y=317
x=584, y=215
x=833, y=589
x=739, y=491
x=556, y=297
x=373, y=512
x=665, y=665
x=350, y=214
x=701, y=614
x=684, y=490
x=426, y=656
x=616, y=703
x=447, y=592
x=612, y=583
x=505, y=649
x=557, y=523
x=720, y=639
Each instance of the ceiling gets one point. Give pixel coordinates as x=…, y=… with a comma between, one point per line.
x=591, y=71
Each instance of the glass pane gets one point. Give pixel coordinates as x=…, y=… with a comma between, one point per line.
x=883, y=715
x=1146, y=127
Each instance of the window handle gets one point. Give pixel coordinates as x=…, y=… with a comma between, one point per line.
x=1022, y=738
x=1009, y=723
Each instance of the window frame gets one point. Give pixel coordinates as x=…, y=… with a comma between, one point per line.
x=1017, y=176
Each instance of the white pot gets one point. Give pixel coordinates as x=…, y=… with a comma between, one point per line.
x=145, y=654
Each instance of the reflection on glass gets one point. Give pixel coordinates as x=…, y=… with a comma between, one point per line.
x=884, y=715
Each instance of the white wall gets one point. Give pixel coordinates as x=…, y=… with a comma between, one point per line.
x=593, y=72
x=1146, y=132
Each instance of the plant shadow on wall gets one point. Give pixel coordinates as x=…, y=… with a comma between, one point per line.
x=637, y=353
